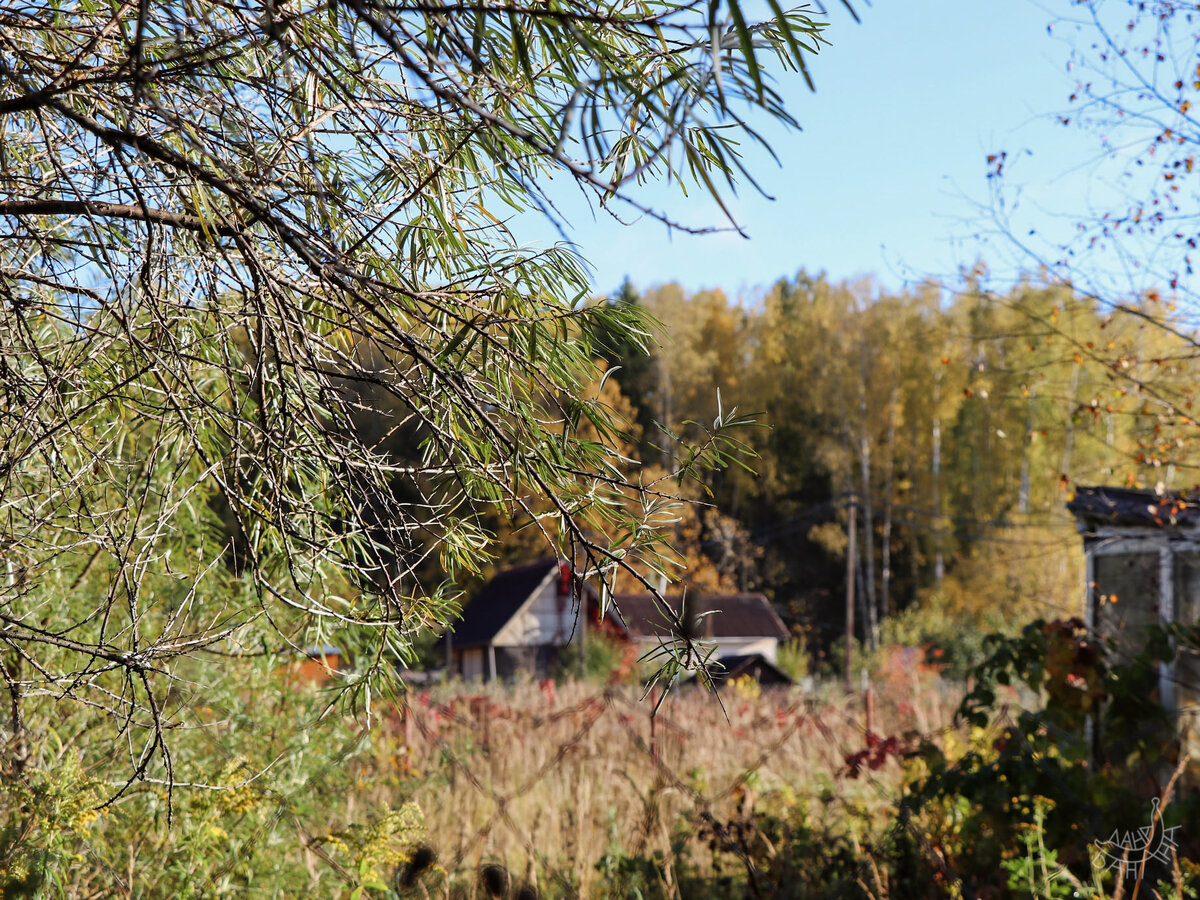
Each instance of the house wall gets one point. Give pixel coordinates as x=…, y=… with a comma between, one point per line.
x=1155, y=575
x=514, y=661
x=1187, y=662
x=545, y=620
x=729, y=646
x=471, y=664
x=315, y=669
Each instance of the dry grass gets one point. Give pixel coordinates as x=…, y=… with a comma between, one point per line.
x=555, y=781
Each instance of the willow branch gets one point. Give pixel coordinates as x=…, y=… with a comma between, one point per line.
x=116, y=211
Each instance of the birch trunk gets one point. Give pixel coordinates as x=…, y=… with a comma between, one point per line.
x=885, y=549
x=868, y=545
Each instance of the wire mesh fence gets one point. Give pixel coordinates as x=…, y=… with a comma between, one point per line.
x=574, y=790
x=521, y=789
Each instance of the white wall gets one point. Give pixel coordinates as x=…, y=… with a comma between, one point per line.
x=543, y=621
x=472, y=664
x=729, y=646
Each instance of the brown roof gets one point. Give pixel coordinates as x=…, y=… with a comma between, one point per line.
x=706, y=615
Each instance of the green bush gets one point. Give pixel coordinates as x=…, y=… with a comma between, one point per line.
x=605, y=659
x=1029, y=794
x=269, y=807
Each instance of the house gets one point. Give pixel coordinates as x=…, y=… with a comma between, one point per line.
x=524, y=617
x=739, y=624
x=521, y=621
x=318, y=665
x=1143, y=568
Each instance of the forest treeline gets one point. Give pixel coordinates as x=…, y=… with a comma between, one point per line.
x=958, y=423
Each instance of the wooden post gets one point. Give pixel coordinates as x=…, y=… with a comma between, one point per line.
x=491, y=655
x=583, y=628
x=851, y=573
x=868, y=702
x=653, y=727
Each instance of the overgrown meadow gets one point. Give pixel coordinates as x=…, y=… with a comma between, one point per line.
x=577, y=788
x=565, y=789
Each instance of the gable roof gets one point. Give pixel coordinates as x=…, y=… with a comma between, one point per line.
x=735, y=616
x=1098, y=506
x=500, y=600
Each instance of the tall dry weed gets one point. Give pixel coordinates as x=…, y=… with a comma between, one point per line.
x=562, y=784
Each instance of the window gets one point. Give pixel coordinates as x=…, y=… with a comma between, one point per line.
x=1126, y=599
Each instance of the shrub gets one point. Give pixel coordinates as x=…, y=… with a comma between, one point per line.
x=1029, y=793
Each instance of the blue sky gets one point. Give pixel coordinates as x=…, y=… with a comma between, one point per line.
x=888, y=176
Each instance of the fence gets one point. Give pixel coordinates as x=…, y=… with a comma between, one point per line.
x=569, y=788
